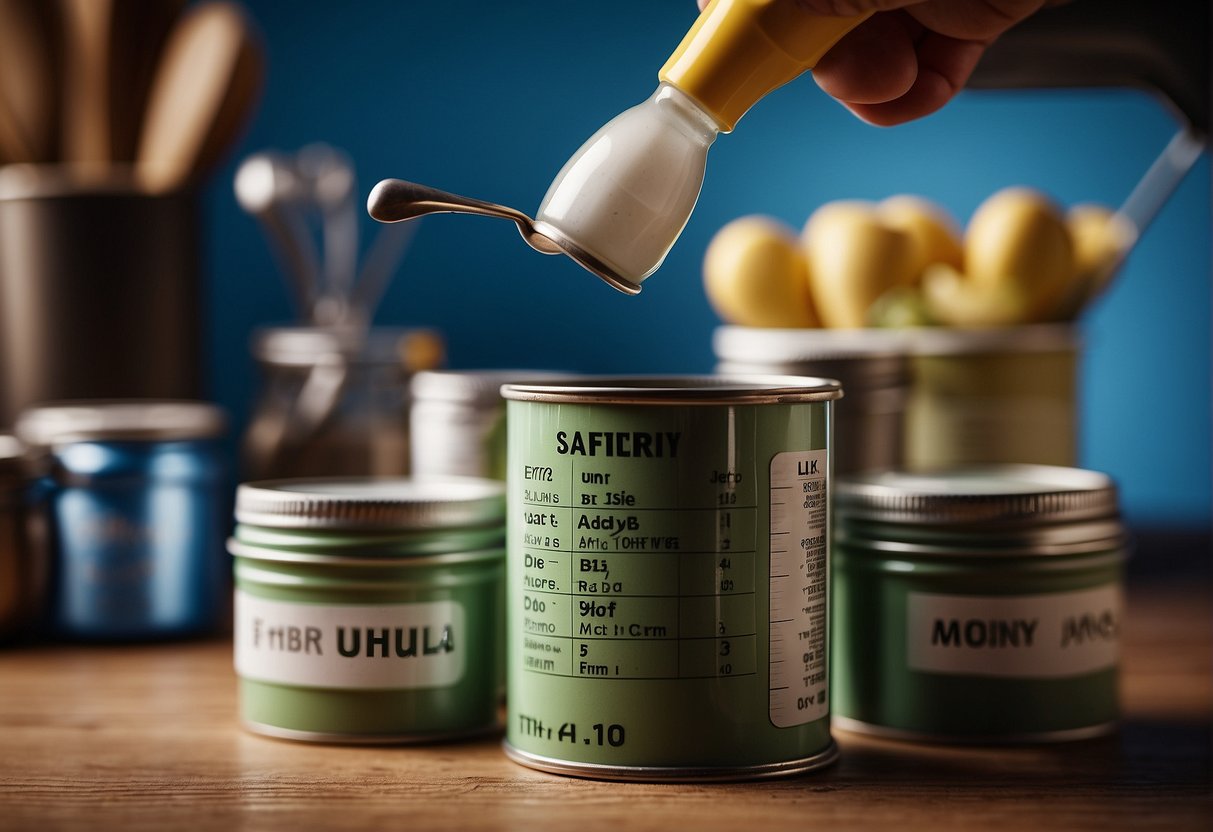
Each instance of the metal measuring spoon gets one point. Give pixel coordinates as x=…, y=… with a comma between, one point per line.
x=393, y=200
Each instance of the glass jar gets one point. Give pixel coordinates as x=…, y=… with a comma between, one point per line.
x=335, y=402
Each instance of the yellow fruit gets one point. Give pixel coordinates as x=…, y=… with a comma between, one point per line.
x=1018, y=236
x=952, y=299
x=1101, y=240
x=854, y=258
x=754, y=275
x=934, y=235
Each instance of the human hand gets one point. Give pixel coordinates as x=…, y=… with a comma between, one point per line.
x=912, y=56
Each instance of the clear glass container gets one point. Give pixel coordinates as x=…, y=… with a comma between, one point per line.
x=335, y=402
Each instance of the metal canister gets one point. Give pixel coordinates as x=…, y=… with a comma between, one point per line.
x=369, y=610
x=991, y=396
x=668, y=557
x=871, y=365
x=136, y=504
x=22, y=567
x=980, y=605
x=457, y=421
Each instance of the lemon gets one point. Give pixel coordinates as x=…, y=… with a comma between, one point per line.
x=934, y=235
x=755, y=275
x=1018, y=236
x=854, y=258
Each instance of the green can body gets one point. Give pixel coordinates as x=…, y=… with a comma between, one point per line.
x=667, y=580
x=979, y=632
x=360, y=636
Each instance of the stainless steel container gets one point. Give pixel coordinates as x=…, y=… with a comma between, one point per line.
x=100, y=293
x=871, y=365
x=136, y=505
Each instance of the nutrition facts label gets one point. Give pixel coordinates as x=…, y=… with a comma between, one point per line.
x=799, y=576
x=624, y=580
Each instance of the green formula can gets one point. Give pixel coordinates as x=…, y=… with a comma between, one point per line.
x=369, y=610
x=667, y=576
x=978, y=605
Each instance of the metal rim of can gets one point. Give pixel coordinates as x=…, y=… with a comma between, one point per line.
x=1008, y=510
x=678, y=390
x=857, y=726
x=1008, y=340
x=772, y=345
x=65, y=422
x=683, y=774
x=361, y=503
x=240, y=549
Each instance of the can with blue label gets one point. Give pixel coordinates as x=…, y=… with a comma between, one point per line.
x=135, y=501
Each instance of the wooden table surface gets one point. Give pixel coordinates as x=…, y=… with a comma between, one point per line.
x=147, y=738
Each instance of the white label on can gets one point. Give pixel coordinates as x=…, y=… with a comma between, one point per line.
x=388, y=647
x=799, y=577
x=1024, y=636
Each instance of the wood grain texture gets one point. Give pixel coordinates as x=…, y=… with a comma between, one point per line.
x=146, y=738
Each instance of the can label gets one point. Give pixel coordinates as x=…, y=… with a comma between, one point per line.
x=1052, y=636
x=347, y=646
x=667, y=583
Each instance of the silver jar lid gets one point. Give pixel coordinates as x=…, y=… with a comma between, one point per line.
x=996, y=494
x=472, y=386
x=129, y=420
x=678, y=390
x=359, y=503
x=409, y=348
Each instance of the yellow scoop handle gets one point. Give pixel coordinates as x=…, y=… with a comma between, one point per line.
x=740, y=50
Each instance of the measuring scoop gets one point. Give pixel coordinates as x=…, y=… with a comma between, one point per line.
x=394, y=200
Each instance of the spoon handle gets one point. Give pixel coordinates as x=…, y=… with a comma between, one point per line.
x=393, y=200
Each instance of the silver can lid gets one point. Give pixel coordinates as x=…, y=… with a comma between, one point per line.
x=472, y=386
x=1001, y=495
x=678, y=390
x=360, y=503
x=126, y=420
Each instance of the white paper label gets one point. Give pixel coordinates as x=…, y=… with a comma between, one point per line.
x=1025, y=636
x=798, y=580
x=349, y=646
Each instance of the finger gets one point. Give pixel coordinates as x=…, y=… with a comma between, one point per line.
x=876, y=62
x=944, y=67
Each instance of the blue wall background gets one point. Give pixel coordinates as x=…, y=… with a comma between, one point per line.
x=489, y=99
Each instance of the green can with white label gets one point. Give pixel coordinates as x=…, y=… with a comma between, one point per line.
x=979, y=605
x=668, y=574
x=369, y=610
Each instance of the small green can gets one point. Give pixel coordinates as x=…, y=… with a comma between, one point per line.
x=668, y=544
x=978, y=605
x=369, y=610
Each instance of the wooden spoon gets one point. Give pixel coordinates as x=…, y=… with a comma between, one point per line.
x=30, y=77
x=207, y=82
x=86, y=137
x=137, y=36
